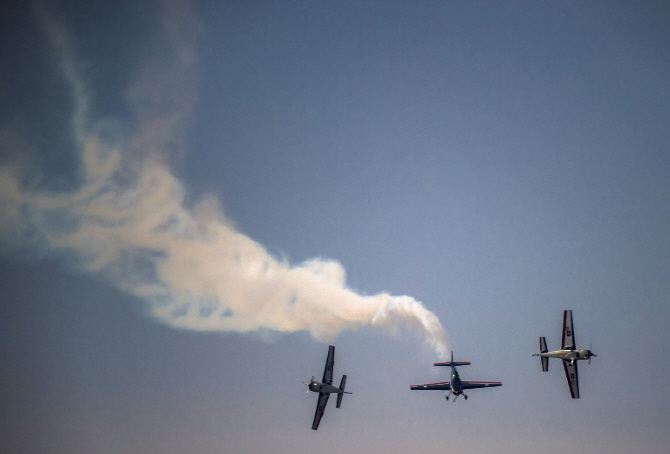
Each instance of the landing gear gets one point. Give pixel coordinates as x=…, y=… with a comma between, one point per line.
x=455, y=396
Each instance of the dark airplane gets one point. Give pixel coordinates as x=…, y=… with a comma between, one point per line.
x=326, y=388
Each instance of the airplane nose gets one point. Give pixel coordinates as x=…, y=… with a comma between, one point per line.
x=591, y=355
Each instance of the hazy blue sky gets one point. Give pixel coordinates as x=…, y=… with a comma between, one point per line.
x=196, y=198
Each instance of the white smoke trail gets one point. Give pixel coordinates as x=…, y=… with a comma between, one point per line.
x=129, y=222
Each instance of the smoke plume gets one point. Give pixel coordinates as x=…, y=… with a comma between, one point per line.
x=127, y=220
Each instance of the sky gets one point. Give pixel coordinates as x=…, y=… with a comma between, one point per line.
x=197, y=198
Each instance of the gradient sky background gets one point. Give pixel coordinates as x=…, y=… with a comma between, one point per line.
x=498, y=161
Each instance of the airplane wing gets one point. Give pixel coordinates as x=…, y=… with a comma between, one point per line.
x=571, y=375
x=328, y=370
x=442, y=386
x=320, y=408
x=479, y=384
x=568, y=333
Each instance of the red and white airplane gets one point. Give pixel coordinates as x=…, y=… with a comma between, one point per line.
x=456, y=386
x=569, y=354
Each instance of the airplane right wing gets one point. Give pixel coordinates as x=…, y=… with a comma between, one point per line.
x=573, y=380
x=568, y=332
x=479, y=384
x=320, y=408
x=328, y=370
x=442, y=386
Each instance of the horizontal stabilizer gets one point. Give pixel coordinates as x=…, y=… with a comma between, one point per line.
x=544, y=359
x=453, y=363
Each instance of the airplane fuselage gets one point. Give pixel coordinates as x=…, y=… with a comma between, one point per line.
x=323, y=388
x=456, y=385
x=568, y=355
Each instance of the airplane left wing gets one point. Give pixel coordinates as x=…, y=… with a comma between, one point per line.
x=328, y=370
x=573, y=380
x=568, y=333
x=320, y=408
x=442, y=386
x=479, y=384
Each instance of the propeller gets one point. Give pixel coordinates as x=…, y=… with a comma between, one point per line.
x=591, y=354
x=307, y=384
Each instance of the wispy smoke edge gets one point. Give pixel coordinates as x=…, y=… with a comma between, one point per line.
x=128, y=221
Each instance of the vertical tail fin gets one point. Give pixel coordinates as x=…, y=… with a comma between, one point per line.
x=339, y=396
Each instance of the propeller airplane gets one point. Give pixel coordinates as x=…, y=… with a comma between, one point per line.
x=568, y=354
x=456, y=386
x=325, y=388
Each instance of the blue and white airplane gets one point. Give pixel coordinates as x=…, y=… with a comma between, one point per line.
x=456, y=386
x=569, y=354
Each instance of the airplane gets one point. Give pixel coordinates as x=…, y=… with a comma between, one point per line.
x=326, y=388
x=456, y=386
x=569, y=354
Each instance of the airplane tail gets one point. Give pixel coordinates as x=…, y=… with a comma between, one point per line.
x=544, y=359
x=340, y=395
x=452, y=362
